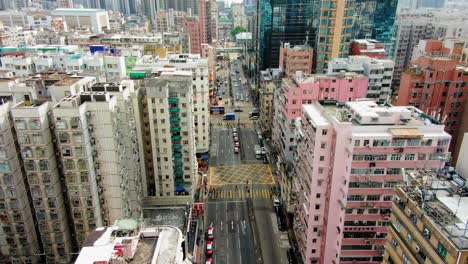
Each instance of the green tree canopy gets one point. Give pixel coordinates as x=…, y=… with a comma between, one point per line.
x=237, y=30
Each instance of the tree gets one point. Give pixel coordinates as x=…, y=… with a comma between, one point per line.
x=237, y=30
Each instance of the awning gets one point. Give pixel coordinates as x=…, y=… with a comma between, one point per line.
x=179, y=189
x=406, y=132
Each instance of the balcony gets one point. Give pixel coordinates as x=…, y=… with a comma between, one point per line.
x=179, y=172
x=177, y=155
x=173, y=100
x=178, y=164
x=176, y=138
x=174, y=110
x=175, y=129
x=175, y=119
x=176, y=147
x=179, y=180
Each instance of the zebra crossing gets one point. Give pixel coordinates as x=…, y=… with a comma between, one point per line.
x=241, y=194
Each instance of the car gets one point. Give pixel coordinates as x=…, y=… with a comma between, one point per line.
x=236, y=139
x=208, y=261
x=234, y=130
x=236, y=144
x=263, y=150
x=247, y=99
x=234, y=134
x=242, y=99
x=238, y=110
x=253, y=117
x=210, y=233
x=209, y=248
x=236, y=150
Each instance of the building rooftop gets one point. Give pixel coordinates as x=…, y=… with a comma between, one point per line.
x=133, y=241
x=368, y=112
x=443, y=198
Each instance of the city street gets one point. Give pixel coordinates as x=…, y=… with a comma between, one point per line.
x=239, y=205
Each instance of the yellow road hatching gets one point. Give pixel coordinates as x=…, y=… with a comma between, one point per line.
x=239, y=174
x=242, y=194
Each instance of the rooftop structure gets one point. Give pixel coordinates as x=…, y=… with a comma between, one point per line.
x=295, y=58
x=368, y=47
x=95, y=19
x=429, y=208
x=378, y=71
x=133, y=242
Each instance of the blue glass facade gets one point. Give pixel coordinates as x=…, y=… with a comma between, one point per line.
x=374, y=19
x=284, y=21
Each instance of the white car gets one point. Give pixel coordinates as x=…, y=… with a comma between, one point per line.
x=263, y=151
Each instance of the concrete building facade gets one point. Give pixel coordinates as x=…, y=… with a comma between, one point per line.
x=435, y=83
x=295, y=58
x=427, y=222
x=378, y=71
x=349, y=158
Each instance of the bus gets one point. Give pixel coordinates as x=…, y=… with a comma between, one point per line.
x=217, y=109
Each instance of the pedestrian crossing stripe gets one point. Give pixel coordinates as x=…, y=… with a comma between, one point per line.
x=236, y=194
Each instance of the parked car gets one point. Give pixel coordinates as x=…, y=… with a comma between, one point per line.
x=208, y=261
x=236, y=150
x=238, y=110
x=210, y=233
x=234, y=130
x=236, y=139
x=209, y=248
x=236, y=144
x=234, y=134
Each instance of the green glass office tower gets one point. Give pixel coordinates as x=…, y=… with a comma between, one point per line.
x=284, y=21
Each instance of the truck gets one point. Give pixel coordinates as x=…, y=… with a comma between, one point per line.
x=230, y=116
x=258, y=152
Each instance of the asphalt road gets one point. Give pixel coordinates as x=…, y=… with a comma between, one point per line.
x=249, y=138
x=233, y=233
x=222, y=148
x=238, y=238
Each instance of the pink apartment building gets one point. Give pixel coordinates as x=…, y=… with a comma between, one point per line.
x=288, y=101
x=192, y=26
x=349, y=158
x=295, y=58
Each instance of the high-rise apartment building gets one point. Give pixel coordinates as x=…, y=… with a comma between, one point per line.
x=96, y=135
x=192, y=25
x=18, y=222
x=169, y=129
x=270, y=80
x=208, y=19
x=334, y=32
x=428, y=221
x=378, y=71
x=349, y=158
x=435, y=83
x=36, y=144
x=289, y=21
x=198, y=67
x=288, y=101
x=411, y=26
x=295, y=58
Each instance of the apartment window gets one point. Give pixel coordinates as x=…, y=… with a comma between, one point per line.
x=395, y=157
x=442, y=250
x=322, y=158
x=373, y=197
x=394, y=243
x=324, y=132
x=320, y=170
x=406, y=259
x=357, y=143
x=317, y=196
x=409, y=237
x=317, y=206
x=316, y=218
x=409, y=157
